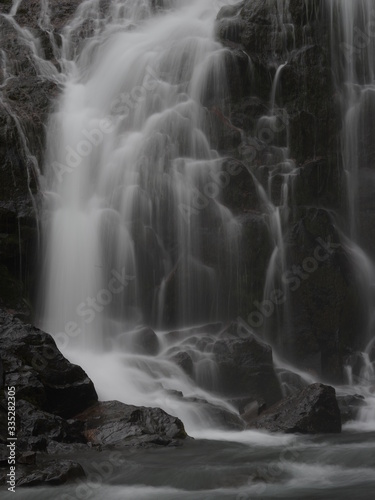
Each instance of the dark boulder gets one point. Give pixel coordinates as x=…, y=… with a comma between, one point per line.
x=245, y=369
x=114, y=423
x=53, y=474
x=313, y=410
x=40, y=372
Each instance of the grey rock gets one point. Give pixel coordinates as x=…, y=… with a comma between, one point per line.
x=311, y=411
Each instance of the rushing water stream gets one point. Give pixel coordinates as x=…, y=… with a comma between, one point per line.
x=128, y=156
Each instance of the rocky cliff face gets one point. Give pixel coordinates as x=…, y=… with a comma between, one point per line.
x=286, y=106
x=28, y=86
x=278, y=127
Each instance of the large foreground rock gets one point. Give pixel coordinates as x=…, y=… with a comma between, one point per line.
x=114, y=423
x=313, y=410
x=41, y=374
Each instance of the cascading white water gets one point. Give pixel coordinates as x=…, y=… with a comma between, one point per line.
x=353, y=59
x=131, y=185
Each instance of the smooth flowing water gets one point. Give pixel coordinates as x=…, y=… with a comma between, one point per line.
x=130, y=187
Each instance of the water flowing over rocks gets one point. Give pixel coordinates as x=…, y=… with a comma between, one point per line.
x=313, y=410
x=262, y=131
x=50, y=393
x=228, y=360
x=259, y=41
x=350, y=406
x=53, y=474
x=289, y=45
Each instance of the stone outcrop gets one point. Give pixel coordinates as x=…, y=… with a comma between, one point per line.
x=228, y=360
x=314, y=410
x=57, y=410
x=325, y=312
x=114, y=423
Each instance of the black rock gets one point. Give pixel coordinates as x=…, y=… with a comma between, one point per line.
x=142, y=340
x=313, y=410
x=36, y=428
x=42, y=375
x=115, y=423
x=27, y=458
x=185, y=362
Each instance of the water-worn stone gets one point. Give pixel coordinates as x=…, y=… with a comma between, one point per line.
x=44, y=427
x=311, y=411
x=30, y=355
x=115, y=423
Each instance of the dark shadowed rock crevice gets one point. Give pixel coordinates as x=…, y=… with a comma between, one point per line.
x=50, y=392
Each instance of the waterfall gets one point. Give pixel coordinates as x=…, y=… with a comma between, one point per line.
x=353, y=58
x=135, y=233
x=132, y=176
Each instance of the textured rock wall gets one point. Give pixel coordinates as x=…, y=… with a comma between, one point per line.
x=325, y=315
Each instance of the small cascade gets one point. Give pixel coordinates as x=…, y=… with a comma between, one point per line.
x=136, y=234
x=353, y=56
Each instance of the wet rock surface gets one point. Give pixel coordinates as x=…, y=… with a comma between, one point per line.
x=50, y=392
x=300, y=111
x=42, y=375
x=350, y=406
x=114, y=423
x=313, y=410
x=306, y=115
x=228, y=360
x=245, y=370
